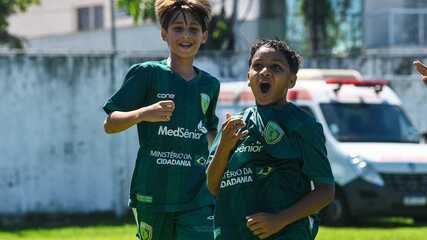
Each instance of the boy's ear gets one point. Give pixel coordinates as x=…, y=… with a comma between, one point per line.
x=249, y=82
x=205, y=37
x=163, y=34
x=293, y=80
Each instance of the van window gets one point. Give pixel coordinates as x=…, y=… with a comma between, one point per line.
x=369, y=123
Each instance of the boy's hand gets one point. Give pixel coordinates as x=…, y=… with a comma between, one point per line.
x=422, y=69
x=158, y=112
x=232, y=131
x=263, y=224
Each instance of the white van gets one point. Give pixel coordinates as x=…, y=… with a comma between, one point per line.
x=377, y=156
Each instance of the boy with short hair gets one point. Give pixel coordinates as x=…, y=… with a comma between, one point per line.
x=173, y=105
x=269, y=167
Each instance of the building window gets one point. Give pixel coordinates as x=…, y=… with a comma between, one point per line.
x=90, y=18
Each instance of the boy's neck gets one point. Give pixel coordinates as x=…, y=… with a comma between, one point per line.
x=183, y=67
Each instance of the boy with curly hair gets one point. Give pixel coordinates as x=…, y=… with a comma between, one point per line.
x=269, y=168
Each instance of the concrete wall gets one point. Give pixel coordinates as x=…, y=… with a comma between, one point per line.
x=132, y=39
x=54, y=155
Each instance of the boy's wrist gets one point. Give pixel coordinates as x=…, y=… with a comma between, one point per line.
x=224, y=149
x=140, y=116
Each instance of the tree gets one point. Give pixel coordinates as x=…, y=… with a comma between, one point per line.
x=322, y=19
x=7, y=8
x=139, y=9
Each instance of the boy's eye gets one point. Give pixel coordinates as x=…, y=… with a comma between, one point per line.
x=276, y=68
x=194, y=29
x=178, y=29
x=257, y=66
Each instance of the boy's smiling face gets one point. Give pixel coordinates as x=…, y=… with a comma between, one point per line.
x=270, y=76
x=184, y=35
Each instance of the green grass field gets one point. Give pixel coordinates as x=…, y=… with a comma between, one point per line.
x=121, y=230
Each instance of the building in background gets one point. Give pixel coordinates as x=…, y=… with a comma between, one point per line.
x=395, y=26
x=61, y=17
x=84, y=25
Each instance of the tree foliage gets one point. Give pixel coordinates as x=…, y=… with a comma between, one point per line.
x=7, y=8
x=322, y=19
x=138, y=9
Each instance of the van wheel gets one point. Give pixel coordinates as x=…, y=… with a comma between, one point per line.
x=336, y=213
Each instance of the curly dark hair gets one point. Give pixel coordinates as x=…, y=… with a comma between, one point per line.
x=293, y=58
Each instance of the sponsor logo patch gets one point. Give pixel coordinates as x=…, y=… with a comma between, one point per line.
x=252, y=148
x=165, y=95
x=201, y=127
x=145, y=231
x=172, y=158
x=235, y=177
x=204, y=100
x=273, y=133
x=185, y=133
x=201, y=161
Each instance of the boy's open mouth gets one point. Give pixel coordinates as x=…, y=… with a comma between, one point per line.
x=264, y=87
x=186, y=45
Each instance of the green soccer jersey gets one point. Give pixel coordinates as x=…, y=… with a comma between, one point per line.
x=273, y=167
x=169, y=173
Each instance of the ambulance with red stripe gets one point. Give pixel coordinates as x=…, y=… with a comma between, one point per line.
x=378, y=158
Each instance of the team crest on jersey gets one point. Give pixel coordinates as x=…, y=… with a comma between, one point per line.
x=145, y=231
x=204, y=100
x=273, y=133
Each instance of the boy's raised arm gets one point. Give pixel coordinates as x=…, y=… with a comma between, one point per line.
x=118, y=121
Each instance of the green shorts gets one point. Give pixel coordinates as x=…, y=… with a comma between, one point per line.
x=194, y=224
x=304, y=229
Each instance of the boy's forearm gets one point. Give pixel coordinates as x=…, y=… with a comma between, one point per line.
x=308, y=205
x=119, y=121
x=216, y=169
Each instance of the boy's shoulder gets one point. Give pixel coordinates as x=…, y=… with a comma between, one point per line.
x=298, y=119
x=302, y=115
x=150, y=65
x=305, y=124
x=207, y=77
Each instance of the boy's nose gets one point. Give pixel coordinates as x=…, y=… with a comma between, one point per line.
x=265, y=71
x=187, y=33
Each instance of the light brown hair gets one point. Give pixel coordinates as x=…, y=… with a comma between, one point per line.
x=168, y=10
